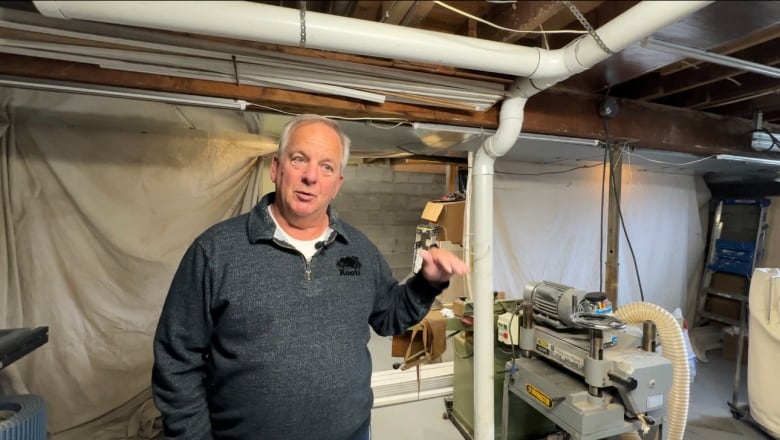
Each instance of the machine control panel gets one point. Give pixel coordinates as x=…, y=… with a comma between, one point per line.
x=507, y=326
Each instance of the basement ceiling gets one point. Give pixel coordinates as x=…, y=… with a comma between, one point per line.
x=667, y=107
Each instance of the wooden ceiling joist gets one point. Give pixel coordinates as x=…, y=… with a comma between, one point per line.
x=705, y=73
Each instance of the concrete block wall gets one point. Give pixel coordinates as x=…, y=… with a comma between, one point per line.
x=386, y=205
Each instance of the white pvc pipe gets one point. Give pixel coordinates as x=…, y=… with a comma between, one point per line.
x=279, y=25
x=642, y=20
x=467, y=220
x=511, y=120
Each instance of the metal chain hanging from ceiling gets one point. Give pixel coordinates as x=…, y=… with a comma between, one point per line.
x=584, y=21
x=303, y=23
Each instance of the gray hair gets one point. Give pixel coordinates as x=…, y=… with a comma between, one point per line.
x=304, y=119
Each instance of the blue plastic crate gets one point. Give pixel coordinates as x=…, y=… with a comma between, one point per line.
x=737, y=267
x=735, y=245
x=757, y=202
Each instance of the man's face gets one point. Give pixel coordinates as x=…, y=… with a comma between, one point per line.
x=308, y=174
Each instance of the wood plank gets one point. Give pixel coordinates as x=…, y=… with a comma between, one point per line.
x=759, y=37
x=273, y=99
x=746, y=86
x=768, y=104
x=550, y=112
x=655, y=126
x=367, y=10
x=527, y=15
x=395, y=12
x=660, y=85
x=418, y=13
x=406, y=166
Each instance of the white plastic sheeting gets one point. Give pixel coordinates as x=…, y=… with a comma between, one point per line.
x=547, y=228
x=100, y=198
x=764, y=349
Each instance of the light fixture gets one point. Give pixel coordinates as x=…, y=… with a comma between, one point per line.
x=489, y=132
x=747, y=159
x=118, y=92
x=703, y=55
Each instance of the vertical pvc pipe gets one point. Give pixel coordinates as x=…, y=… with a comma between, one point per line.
x=511, y=120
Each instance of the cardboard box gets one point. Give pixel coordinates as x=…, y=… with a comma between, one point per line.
x=449, y=216
x=428, y=336
x=730, y=347
x=458, y=307
x=457, y=287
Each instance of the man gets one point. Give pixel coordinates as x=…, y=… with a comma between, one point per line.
x=263, y=334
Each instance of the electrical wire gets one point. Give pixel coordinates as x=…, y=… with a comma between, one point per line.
x=669, y=163
x=399, y=121
x=398, y=124
x=548, y=172
x=511, y=342
x=409, y=151
x=475, y=18
x=601, y=222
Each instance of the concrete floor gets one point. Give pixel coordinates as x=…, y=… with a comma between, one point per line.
x=709, y=415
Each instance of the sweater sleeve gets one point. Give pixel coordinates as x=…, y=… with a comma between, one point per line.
x=398, y=306
x=180, y=348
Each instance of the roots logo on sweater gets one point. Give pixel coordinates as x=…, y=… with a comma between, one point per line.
x=349, y=266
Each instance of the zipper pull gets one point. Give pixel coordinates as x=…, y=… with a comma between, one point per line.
x=308, y=271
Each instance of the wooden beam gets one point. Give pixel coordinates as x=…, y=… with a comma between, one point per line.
x=731, y=49
x=663, y=85
x=418, y=166
x=265, y=98
x=527, y=15
x=769, y=105
x=395, y=12
x=597, y=15
x=452, y=178
x=772, y=116
x=550, y=112
x=746, y=86
x=368, y=10
x=417, y=13
x=654, y=126
x=524, y=16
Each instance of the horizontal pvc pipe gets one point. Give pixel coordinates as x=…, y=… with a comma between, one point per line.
x=642, y=20
x=279, y=25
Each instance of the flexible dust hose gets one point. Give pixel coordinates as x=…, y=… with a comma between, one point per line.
x=674, y=349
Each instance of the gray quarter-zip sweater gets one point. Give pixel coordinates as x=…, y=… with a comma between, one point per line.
x=254, y=342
